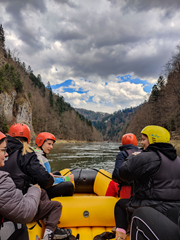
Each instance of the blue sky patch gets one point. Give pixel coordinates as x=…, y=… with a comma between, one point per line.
x=66, y=83
x=127, y=78
x=71, y=90
x=90, y=99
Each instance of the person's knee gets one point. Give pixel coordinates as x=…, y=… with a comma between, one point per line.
x=70, y=188
x=59, y=205
x=143, y=212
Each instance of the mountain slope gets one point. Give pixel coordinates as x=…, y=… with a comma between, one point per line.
x=91, y=115
x=48, y=111
x=110, y=125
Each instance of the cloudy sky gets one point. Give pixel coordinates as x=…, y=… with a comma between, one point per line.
x=101, y=55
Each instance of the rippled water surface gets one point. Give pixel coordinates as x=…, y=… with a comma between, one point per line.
x=84, y=155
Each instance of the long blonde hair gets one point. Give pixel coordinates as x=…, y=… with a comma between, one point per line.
x=26, y=147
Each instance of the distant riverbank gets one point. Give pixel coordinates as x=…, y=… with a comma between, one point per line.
x=175, y=143
x=69, y=141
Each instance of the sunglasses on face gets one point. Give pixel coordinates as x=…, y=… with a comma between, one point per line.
x=4, y=149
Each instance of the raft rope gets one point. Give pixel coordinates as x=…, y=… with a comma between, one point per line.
x=89, y=168
x=76, y=183
x=101, y=173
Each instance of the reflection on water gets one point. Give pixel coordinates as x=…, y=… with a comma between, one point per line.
x=84, y=155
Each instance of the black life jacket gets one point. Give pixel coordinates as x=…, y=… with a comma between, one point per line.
x=21, y=180
x=164, y=184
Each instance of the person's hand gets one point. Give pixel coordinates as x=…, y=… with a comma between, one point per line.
x=135, y=153
x=71, y=177
x=36, y=185
x=51, y=174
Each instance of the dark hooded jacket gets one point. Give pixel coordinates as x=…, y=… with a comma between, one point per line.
x=156, y=175
x=28, y=164
x=120, y=158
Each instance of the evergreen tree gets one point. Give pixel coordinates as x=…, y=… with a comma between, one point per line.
x=24, y=66
x=29, y=70
x=51, y=99
x=39, y=77
x=2, y=37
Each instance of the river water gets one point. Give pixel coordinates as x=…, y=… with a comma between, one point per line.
x=83, y=155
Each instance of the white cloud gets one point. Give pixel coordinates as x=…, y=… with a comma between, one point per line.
x=112, y=96
x=96, y=41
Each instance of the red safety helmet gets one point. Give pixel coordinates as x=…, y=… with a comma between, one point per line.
x=20, y=130
x=42, y=137
x=2, y=135
x=129, y=138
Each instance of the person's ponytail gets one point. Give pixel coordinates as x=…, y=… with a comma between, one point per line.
x=26, y=147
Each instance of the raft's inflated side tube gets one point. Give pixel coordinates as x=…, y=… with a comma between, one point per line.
x=86, y=211
x=86, y=215
x=101, y=182
x=83, y=211
x=83, y=179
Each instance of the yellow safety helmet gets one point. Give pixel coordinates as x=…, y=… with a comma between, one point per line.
x=156, y=134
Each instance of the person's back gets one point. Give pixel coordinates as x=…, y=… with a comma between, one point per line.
x=155, y=172
x=117, y=187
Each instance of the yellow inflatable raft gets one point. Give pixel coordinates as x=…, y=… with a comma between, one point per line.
x=88, y=212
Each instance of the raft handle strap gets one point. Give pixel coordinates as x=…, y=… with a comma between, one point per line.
x=35, y=225
x=78, y=179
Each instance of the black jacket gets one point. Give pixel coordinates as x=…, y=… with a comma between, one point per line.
x=120, y=158
x=142, y=168
x=29, y=164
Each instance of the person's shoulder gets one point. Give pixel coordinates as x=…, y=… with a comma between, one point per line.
x=3, y=175
x=147, y=156
x=38, y=152
x=128, y=146
x=5, y=179
x=29, y=157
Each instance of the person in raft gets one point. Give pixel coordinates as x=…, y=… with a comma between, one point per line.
x=25, y=169
x=117, y=187
x=148, y=223
x=15, y=209
x=63, y=186
x=155, y=172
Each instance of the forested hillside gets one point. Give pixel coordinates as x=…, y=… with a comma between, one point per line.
x=163, y=106
x=91, y=115
x=49, y=111
x=110, y=125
